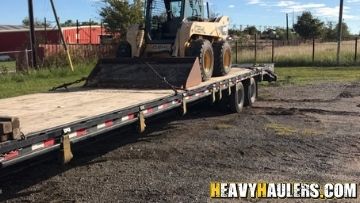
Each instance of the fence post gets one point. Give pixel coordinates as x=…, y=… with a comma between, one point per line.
x=356, y=47
x=27, y=59
x=272, y=50
x=77, y=32
x=45, y=30
x=236, y=52
x=255, y=48
x=313, y=51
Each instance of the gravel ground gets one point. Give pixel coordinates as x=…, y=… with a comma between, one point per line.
x=293, y=133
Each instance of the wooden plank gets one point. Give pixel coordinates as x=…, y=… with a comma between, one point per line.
x=10, y=126
x=5, y=128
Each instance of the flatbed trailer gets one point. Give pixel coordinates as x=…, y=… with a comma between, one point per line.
x=54, y=120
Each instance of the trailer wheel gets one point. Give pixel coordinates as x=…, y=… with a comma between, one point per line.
x=124, y=50
x=250, y=92
x=223, y=58
x=203, y=49
x=237, y=98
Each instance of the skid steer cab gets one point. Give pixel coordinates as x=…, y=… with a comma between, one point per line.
x=177, y=29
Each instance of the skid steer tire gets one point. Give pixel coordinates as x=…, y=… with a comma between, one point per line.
x=250, y=92
x=223, y=58
x=203, y=49
x=237, y=98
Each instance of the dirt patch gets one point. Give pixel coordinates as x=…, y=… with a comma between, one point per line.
x=306, y=134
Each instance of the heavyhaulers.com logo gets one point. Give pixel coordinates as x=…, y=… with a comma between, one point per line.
x=283, y=190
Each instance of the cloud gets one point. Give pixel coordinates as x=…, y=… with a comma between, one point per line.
x=292, y=6
x=318, y=9
x=231, y=6
x=286, y=3
x=333, y=12
x=254, y=1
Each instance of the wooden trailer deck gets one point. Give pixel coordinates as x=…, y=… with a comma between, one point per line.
x=38, y=112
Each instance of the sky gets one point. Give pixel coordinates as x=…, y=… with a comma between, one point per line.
x=242, y=12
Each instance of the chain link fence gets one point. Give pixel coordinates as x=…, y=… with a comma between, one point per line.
x=296, y=52
x=15, y=61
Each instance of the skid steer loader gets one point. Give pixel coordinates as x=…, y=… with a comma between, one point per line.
x=175, y=47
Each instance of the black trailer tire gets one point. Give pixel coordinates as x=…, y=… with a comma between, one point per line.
x=223, y=58
x=250, y=92
x=124, y=50
x=237, y=98
x=203, y=49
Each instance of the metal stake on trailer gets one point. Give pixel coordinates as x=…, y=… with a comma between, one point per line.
x=62, y=35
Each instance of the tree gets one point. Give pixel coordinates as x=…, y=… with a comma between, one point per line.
x=37, y=22
x=308, y=27
x=68, y=23
x=252, y=30
x=345, y=30
x=91, y=22
x=119, y=15
x=331, y=31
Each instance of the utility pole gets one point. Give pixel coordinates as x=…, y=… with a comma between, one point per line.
x=340, y=31
x=32, y=34
x=287, y=27
x=62, y=35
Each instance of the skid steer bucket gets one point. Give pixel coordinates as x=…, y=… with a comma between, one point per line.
x=148, y=73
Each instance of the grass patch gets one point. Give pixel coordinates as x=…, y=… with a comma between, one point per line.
x=300, y=55
x=313, y=75
x=280, y=129
x=287, y=130
x=223, y=126
x=40, y=80
x=7, y=66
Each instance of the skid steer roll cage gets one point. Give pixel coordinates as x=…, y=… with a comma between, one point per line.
x=168, y=20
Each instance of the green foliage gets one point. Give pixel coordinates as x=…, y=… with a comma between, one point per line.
x=235, y=32
x=40, y=80
x=68, y=23
x=37, y=22
x=71, y=23
x=91, y=22
x=330, y=31
x=119, y=15
x=312, y=75
x=251, y=30
x=308, y=27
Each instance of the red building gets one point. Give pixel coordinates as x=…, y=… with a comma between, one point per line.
x=83, y=35
x=16, y=38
